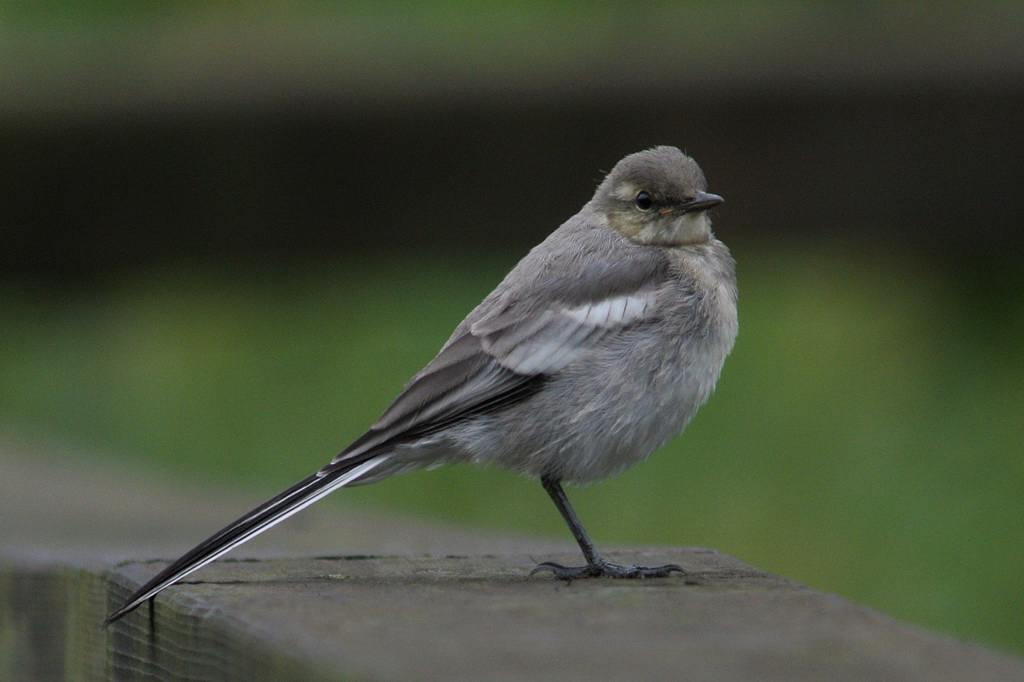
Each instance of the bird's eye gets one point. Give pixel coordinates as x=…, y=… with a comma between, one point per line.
x=643, y=201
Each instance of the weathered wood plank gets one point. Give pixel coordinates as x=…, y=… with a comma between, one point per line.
x=467, y=617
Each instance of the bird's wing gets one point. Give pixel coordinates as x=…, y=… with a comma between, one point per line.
x=498, y=360
x=549, y=341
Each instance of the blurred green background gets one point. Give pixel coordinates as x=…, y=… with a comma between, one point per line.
x=232, y=235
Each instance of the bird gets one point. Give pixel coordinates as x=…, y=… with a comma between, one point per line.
x=598, y=347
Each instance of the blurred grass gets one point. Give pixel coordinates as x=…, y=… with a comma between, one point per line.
x=866, y=436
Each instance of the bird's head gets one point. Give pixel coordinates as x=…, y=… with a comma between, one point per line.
x=657, y=196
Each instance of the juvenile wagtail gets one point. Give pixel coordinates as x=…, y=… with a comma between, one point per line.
x=599, y=346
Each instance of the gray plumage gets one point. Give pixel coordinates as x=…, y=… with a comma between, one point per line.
x=600, y=345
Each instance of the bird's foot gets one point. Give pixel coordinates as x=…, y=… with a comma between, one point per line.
x=606, y=569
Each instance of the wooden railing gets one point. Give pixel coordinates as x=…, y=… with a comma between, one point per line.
x=460, y=617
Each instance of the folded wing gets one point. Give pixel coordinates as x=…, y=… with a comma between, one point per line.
x=501, y=359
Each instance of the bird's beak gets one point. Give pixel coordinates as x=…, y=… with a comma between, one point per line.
x=701, y=202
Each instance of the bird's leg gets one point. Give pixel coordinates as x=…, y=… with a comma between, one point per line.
x=596, y=566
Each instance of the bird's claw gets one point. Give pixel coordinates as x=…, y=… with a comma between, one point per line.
x=606, y=569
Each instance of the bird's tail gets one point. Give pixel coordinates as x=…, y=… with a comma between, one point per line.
x=267, y=515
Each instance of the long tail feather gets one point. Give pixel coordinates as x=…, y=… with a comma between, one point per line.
x=267, y=515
